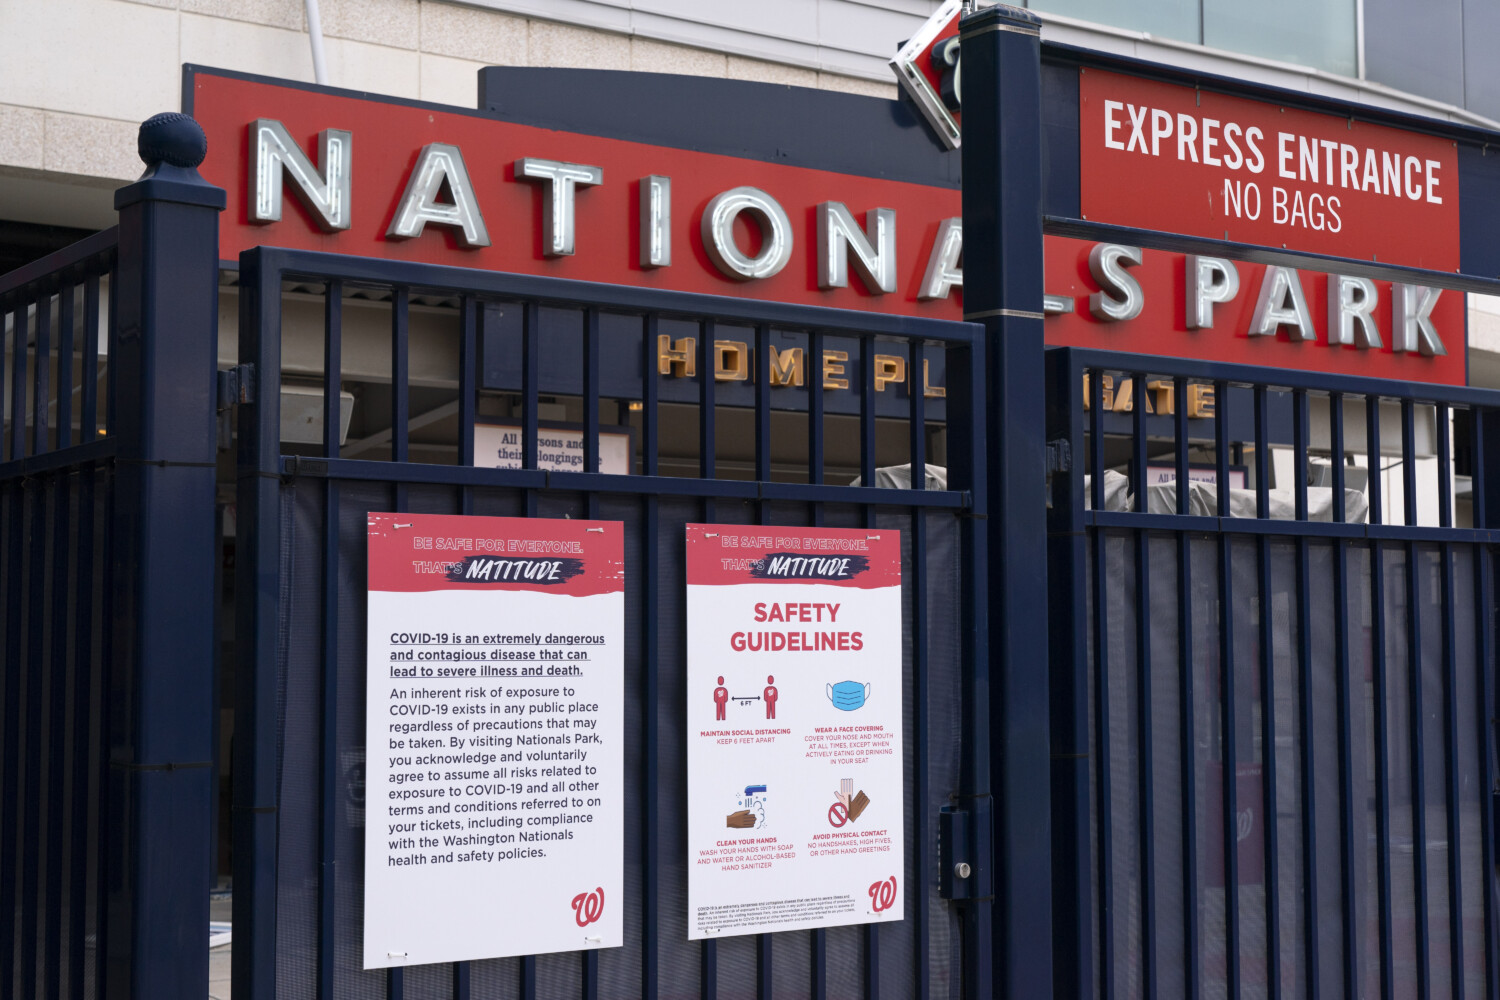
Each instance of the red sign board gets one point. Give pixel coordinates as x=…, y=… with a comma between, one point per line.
x=385, y=141
x=1166, y=157
x=1161, y=328
x=388, y=137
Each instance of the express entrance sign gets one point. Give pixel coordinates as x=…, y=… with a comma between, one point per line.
x=1163, y=156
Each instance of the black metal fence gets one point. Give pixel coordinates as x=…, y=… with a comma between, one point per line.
x=301, y=571
x=106, y=538
x=1274, y=704
x=56, y=491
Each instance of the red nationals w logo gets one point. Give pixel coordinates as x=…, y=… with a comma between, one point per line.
x=883, y=894
x=588, y=906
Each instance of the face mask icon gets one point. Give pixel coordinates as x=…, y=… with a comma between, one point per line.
x=848, y=695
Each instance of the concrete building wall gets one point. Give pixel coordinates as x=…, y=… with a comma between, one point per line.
x=78, y=76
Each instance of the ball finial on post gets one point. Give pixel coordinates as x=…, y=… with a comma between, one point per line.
x=172, y=138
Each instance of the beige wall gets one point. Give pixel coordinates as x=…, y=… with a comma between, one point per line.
x=78, y=76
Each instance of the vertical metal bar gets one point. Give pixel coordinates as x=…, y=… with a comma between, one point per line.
x=867, y=411
x=111, y=349
x=1415, y=721
x=41, y=369
x=1373, y=458
x=707, y=356
x=819, y=964
x=1187, y=664
x=921, y=953
x=872, y=961
x=1262, y=442
x=763, y=943
x=103, y=810
x=1483, y=720
x=58, y=632
x=1103, y=757
x=815, y=410
x=85, y=629
x=1180, y=427
x=64, y=409
x=17, y=311
x=1299, y=453
x=1221, y=447
x=1228, y=758
x=916, y=414
x=590, y=497
x=1349, y=884
x=88, y=372
x=708, y=971
x=1445, y=468
x=650, y=680
x=1144, y=708
x=591, y=393
x=468, y=374
x=1138, y=477
x=257, y=586
x=650, y=743
x=590, y=977
x=400, y=390
x=468, y=364
x=395, y=984
x=531, y=331
x=1336, y=447
x=707, y=429
x=1096, y=437
x=18, y=384
x=1308, y=777
x=650, y=380
x=527, y=967
x=760, y=368
x=36, y=679
x=1382, y=765
x=328, y=745
x=1451, y=766
x=1408, y=462
x=1269, y=810
x=333, y=325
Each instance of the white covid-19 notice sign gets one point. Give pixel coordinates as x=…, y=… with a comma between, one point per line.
x=794, y=689
x=494, y=782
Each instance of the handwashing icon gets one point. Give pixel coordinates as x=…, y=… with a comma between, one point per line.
x=848, y=695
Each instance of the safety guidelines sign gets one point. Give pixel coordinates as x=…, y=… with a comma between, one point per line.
x=495, y=732
x=794, y=728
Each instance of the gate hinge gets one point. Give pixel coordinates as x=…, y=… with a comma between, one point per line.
x=965, y=870
x=1059, y=459
x=236, y=385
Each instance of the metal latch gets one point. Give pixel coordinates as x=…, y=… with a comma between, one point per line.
x=964, y=869
x=1059, y=459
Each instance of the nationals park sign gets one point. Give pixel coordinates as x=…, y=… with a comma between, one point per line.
x=635, y=179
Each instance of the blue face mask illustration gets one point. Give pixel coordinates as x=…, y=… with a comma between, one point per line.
x=848, y=695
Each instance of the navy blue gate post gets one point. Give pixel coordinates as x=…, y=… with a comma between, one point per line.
x=1002, y=165
x=160, y=692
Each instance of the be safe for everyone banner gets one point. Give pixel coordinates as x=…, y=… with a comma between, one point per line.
x=795, y=787
x=494, y=733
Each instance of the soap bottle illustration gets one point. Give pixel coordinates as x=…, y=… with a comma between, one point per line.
x=848, y=695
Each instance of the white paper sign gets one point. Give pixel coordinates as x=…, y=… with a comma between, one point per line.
x=795, y=787
x=558, y=449
x=494, y=785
